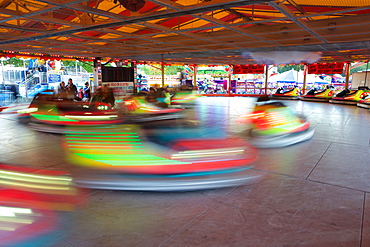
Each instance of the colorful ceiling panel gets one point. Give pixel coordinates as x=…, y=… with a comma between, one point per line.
x=187, y=31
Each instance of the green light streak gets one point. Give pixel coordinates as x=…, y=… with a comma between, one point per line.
x=102, y=139
x=52, y=118
x=123, y=142
x=130, y=159
x=102, y=133
x=87, y=136
x=100, y=149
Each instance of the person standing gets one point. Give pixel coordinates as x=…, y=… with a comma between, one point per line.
x=87, y=91
x=62, y=91
x=71, y=89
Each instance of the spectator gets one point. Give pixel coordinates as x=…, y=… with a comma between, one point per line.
x=71, y=89
x=80, y=94
x=62, y=91
x=87, y=91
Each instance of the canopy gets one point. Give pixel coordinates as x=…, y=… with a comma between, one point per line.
x=290, y=76
x=188, y=31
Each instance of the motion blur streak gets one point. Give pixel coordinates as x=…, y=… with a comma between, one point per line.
x=48, y=183
x=28, y=200
x=35, y=178
x=33, y=181
x=129, y=153
x=10, y=212
x=207, y=154
x=275, y=125
x=129, y=149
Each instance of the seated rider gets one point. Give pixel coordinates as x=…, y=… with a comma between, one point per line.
x=108, y=96
x=98, y=95
x=152, y=95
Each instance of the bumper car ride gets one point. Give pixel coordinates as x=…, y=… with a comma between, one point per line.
x=185, y=99
x=323, y=96
x=49, y=113
x=351, y=97
x=292, y=94
x=124, y=158
x=275, y=125
x=138, y=110
x=365, y=103
x=29, y=200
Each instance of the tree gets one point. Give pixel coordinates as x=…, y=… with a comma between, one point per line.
x=17, y=62
x=71, y=64
x=155, y=69
x=283, y=68
x=173, y=70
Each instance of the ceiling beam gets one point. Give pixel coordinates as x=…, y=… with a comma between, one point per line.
x=146, y=17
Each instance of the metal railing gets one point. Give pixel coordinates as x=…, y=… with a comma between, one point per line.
x=6, y=97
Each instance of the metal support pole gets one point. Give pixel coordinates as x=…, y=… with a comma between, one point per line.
x=2, y=70
x=195, y=72
x=348, y=70
x=136, y=89
x=229, y=82
x=266, y=77
x=97, y=73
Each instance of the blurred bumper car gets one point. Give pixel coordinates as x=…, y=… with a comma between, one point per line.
x=138, y=110
x=29, y=200
x=275, y=125
x=128, y=159
x=49, y=114
x=185, y=99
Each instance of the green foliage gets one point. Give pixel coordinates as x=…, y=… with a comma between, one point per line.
x=173, y=70
x=88, y=66
x=283, y=68
x=156, y=69
x=16, y=62
x=213, y=72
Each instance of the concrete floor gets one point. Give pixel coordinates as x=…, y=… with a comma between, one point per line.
x=314, y=193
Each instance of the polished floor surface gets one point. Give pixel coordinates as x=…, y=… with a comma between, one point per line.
x=314, y=193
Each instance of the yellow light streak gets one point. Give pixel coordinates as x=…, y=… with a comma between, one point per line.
x=38, y=178
x=11, y=211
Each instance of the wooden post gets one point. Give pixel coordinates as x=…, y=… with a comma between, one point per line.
x=266, y=77
x=348, y=70
x=305, y=68
x=195, y=68
x=162, y=71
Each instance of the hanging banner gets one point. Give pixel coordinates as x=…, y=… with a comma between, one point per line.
x=325, y=68
x=249, y=69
